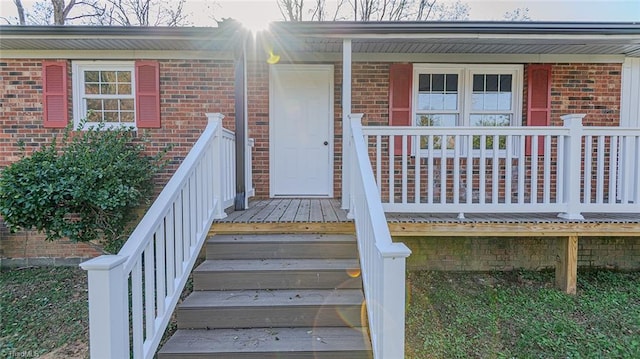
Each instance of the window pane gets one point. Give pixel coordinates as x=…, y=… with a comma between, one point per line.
x=452, y=82
x=94, y=116
x=492, y=83
x=477, y=101
x=124, y=76
x=490, y=120
x=424, y=82
x=111, y=117
x=437, y=101
x=504, y=101
x=505, y=83
x=424, y=101
x=439, y=120
x=491, y=101
x=108, y=76
x=124, y=89
x=126, y=105
x=478, y=83
x=91, y=89
x=126, y=117
x=438, y=83
x=91, y=76
x=95, y=105
x=451, y=101
x=108, y=89
x=111, y=105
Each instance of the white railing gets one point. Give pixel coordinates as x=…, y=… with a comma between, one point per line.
x=381, y=260
x=133, y=294
x=569, y=169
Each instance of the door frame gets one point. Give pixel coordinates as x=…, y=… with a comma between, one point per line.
x=273, y=70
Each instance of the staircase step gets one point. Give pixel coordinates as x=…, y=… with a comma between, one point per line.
x=272, y=308
x=277, y=274
x=282, y=246
x=284, y=343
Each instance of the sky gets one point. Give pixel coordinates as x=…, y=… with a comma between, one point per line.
x=260, y=12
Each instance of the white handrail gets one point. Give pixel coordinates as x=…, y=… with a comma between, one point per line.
x=566, y=169
x=382, y=261
x=135, y=292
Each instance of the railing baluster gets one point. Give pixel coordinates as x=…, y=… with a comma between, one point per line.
x=534, y=170
x=547, y=170
x=430, y=182
x=470, y=166
x=379, y=164
x=600, y=173
x=392, y=167
x=161, y=265
x=149, y=290
x=522, y=162
x=456, y=169
x=588, y=153
x=417, y=170
x=495, y=170
x=507, y=169
x=613, y=169
x=405, y=169
x=443, y=168
x=171, y=250
x=483, y=169
x=137, y=309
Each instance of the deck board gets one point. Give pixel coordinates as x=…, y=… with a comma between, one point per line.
x=311, y=215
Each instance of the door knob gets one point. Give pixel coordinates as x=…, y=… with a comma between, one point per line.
x=326, y=143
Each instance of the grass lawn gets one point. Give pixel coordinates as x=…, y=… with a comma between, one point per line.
x=521, y=315
x=43, y=310
x=450, y=315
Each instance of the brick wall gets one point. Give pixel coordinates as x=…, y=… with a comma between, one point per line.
x=188, y=90
x=501, y=253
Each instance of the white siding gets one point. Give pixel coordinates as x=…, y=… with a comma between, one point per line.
x=630, y=104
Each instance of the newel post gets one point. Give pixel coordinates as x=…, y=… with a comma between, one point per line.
x=572, y=164
x=108, y=307
x=215, y=119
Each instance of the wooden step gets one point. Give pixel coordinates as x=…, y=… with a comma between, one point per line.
x=282, y=343
x=271, y=246
x=277, y=274
x=272, y=308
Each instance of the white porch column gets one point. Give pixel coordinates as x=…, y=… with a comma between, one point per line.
x=572, y=162
x=346, y=111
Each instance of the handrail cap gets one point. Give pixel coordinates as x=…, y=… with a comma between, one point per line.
x=102, y=263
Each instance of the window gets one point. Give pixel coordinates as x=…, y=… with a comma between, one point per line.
x=104, y=91
x=467, y=95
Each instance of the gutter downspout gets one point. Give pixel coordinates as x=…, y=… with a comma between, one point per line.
x=240, y=70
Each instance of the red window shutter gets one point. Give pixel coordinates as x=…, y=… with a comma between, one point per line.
x=400, y=80
x=147, y=94
x=54, y=90
x=538, y=100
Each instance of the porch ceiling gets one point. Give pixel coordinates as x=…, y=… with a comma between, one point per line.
x=326, y=37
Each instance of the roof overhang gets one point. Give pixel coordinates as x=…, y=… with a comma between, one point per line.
x=540, y=38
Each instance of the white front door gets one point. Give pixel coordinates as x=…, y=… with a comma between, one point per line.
x=301, y=128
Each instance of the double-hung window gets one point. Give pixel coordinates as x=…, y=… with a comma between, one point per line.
x=104, y=91
x=447, y=95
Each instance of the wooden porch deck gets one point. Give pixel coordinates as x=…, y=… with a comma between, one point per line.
x=325, y=215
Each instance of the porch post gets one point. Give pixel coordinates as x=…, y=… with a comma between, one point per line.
x=571, y=165
x=346, y=111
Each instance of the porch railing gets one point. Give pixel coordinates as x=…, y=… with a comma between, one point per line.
x=568, y=169
x=381, y=260
x=133, y=294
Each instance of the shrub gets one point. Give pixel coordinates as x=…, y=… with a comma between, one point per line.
x=86, y=187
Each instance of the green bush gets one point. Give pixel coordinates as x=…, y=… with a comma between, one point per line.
x=85, y=187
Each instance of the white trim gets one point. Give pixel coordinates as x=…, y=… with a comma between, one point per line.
x=79, y=111
x=116, y=54
x=304, y=67
x=465, y=77
x=629, y=104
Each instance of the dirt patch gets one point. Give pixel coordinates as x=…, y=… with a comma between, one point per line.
x=75, y=350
